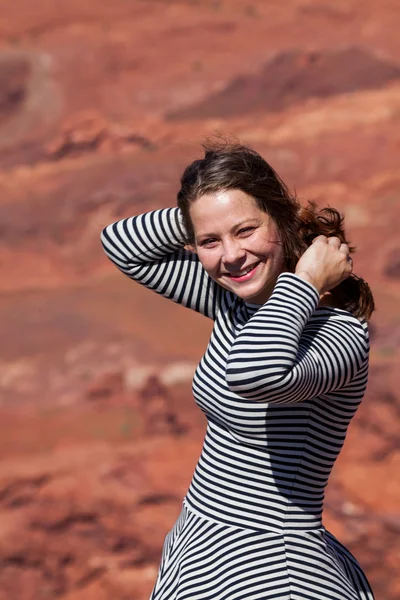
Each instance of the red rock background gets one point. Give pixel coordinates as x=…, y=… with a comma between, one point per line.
x=102, y=104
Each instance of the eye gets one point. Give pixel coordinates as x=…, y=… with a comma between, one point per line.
x=246, y=231
x=208, y=243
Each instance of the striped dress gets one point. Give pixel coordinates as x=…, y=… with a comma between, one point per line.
x=279, y=384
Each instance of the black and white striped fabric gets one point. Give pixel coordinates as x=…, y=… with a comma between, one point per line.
x=279, y=384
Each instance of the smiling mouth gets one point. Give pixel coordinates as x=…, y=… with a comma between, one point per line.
x=244, y=274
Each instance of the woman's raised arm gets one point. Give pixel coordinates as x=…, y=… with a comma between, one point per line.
x=288, y=353
x=149, y=248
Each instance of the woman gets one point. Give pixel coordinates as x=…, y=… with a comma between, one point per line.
x=284, y=373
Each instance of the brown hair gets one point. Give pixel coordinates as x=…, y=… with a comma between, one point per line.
x=228, y=165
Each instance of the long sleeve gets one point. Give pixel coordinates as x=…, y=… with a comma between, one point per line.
x=149, y=248
x=287, y=352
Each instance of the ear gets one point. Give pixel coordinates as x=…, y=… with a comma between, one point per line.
x=190, y=248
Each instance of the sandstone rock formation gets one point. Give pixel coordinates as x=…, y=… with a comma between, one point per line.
x=101, y=106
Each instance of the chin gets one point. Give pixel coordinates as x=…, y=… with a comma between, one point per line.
x=250, y=296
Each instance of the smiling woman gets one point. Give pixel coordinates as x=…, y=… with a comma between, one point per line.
x=233, y=177
x=283, y=375
x=237, y=243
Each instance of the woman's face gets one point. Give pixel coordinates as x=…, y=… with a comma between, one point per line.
x=237, y=243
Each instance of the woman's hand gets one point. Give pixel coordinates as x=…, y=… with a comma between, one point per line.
x=325, y=264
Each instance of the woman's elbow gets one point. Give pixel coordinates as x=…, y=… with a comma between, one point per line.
x=257, y=387
x=246, y=385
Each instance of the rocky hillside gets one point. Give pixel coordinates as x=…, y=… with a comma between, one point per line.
x=102, y=104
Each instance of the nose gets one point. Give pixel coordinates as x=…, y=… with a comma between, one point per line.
x=233, y=253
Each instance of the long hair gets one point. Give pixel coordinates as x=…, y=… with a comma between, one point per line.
x=227, y=166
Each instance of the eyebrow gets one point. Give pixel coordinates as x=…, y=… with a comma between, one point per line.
x=235, y=227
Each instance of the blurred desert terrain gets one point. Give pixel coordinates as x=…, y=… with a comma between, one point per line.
x=102, y=104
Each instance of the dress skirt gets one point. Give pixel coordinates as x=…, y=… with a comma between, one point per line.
x=206, y=560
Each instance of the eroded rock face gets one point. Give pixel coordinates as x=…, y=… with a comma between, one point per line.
x=30, y=104
x=102, y=105
x=92, y=517
x=14, y=76
x=290, y=78
x=392, y=268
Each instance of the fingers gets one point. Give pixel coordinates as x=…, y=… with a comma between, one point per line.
x=326, y=262
x=346, y=251
x=335, y=242
x=332, y=241
x=320, y=238
x=338, y=245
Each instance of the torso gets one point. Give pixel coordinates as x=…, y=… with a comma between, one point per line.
x=264, y=466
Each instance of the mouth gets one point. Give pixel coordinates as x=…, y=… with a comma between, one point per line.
x=244, y=274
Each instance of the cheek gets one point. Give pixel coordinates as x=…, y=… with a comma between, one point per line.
x=270, y=248
x=279, y=259
x=208, y=261
x=274, y=254
x=277, y=253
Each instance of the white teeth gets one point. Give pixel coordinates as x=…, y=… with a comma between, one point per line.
x=241, y=273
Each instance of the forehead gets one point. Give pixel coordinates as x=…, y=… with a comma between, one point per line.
x=224, y=209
